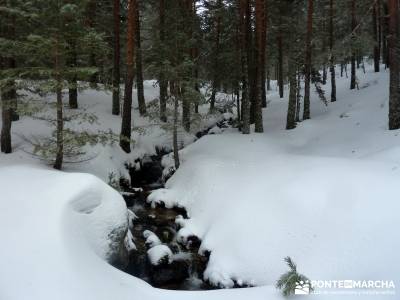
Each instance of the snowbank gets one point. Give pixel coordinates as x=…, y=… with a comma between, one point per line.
x=325, y=194
x=55, y=232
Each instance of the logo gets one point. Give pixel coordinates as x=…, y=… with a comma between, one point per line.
x=345, y=287
x=302, y=288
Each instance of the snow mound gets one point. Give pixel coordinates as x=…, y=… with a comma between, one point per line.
x=335, y=217
x=159, y=254
x=55, y=230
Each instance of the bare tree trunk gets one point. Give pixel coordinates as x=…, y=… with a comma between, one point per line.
x=125, y=137
x=215, y=82
x=60, y=119
x=375, y=32
x=332, y=58
x=6, y=113
x=244, y=64
x=307, y=79
x=260, y=15
x=72, y=81
x=116, y=68
x=139, y=69
x=162, y=80
x=291, y=113
x=353, y=53
x=298, y=97
x=175, y=91
x=263, y=53
x=394, y=99
x=280, y=60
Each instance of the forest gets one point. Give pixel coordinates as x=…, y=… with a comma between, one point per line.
x=149, y=146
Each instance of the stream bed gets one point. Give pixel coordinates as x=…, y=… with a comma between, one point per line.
x=160, y=258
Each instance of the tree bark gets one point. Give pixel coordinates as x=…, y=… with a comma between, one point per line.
x=6, y=113
x=307, y=75
x=244, y=68
x=162, y=80
x=353, y=53
x=394, y=99
x=116, y=61
x=332, y=58
x=375, y=32
x=263, y=53
x=72, y=81
x=125, y=137
x=139, y=69
x=60, y=118
x=260, y=22
x=215, y=82
x=291, y=113
x=280, y=59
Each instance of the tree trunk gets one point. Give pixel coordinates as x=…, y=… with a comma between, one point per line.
x=216, y=70
x=244, y=68
x=353, y=53
x=60, y=119
x=72, y=82
x=260, y=43
x=375, y=33
x=162, y=80
x=139, y=70
x=90, y=23
x=298, y=97
x=116, y=68
x=307, y=75
x=263, y=53
x=280, y=60
x=291, y=113
x=332, y=58
x=394, y=99
x=125, y=137
x=6, y=110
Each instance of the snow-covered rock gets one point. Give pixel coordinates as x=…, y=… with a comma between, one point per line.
x=160, y=254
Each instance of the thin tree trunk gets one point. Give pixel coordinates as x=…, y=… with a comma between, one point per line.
x=298, y=97
x=260, y=15
x=116, y=68
x=216, y=71
x=280, y=59
x=162, y=80
x=394, y=99
x=125, y=137
x=244, y=57
x=139, y=69
x=6, y=113
x=291, y=113
x=307, y=75
x=60, y=119
x=353, y=53
x=332, y=58
x=375, y=32
x=175, y=91
x=263, y=53
x=72, y=82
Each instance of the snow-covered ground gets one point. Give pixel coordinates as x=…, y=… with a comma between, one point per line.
x=101, y=160
x=324, y=194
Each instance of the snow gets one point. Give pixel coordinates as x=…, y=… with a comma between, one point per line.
x=103, y=160
x=158, y=254
x=151, y=239
x=54, y=229
x=324, y=194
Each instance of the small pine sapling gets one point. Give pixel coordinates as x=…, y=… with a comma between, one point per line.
x=291, y=280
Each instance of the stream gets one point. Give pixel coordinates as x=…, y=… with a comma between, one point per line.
x=182, y=267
